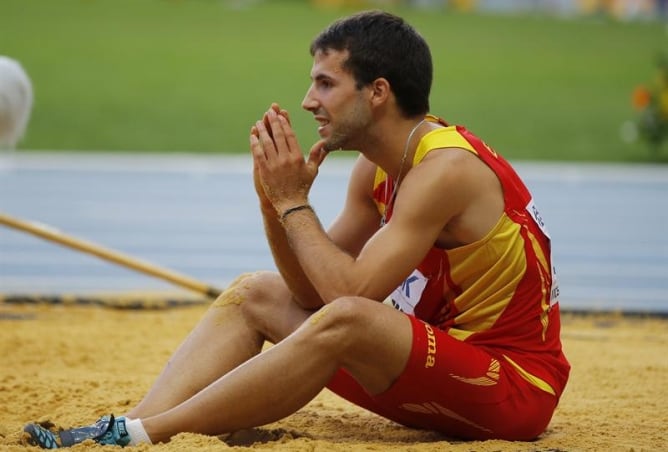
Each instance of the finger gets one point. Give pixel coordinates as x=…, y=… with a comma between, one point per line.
x=276, y=123
x=279, y=111
x=288, y=134
x=265, y=140
x=317, y=154
x=265, y=120
x=286, y=115
x=256, y=150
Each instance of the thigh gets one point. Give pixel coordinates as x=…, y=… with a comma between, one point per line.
x=456, y=388
x=372, y=341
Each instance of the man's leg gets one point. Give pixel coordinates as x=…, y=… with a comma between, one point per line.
x=372, y=341
x=231, y=332
x=255, y=308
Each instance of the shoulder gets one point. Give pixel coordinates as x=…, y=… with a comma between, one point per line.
x=363, y=173
x=364, y=167
x=451, y=179
x=450, y=166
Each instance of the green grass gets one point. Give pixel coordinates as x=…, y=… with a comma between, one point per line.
x=193, y=75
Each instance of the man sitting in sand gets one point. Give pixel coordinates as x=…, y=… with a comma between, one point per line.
x=431, y=300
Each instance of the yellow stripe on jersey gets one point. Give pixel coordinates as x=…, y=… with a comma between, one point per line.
x=446, y=137
x=381, y=177
x=487, y=272
x=534, y=380
x=544, y=269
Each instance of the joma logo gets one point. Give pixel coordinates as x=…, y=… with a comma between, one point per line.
x=431, y=347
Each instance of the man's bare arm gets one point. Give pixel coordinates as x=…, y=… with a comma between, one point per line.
x=391, y=253
x=286, y=262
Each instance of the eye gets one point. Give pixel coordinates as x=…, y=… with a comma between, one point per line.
x=324, y=84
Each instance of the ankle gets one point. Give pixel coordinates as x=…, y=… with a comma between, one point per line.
x=137, y=432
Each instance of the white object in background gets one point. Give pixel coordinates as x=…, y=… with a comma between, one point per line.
x=15, y=102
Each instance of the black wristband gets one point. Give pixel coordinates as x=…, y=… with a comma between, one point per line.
x=295, y=209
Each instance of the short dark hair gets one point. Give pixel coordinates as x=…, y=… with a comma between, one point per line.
x=381, y=44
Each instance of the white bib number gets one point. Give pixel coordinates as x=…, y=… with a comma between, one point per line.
x=408, y=294
x=535, y=214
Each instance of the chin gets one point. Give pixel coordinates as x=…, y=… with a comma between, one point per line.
x=329, y=147
x=335, y=143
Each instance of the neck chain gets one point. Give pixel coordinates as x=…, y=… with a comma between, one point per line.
x=395, y=186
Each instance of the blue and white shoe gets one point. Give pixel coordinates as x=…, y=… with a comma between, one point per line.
x=108, y=430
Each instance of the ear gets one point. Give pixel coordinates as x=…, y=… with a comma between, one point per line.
x=380, y=91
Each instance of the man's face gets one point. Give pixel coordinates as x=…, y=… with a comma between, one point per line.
x=339, y=107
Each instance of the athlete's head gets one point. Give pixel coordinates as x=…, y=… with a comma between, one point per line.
x=15, y=102
x=380, y=44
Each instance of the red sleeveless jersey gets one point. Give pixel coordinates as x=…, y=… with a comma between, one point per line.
x=499, y=292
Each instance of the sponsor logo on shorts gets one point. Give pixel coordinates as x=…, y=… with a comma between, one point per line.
x=431, y=347
x=490, y=378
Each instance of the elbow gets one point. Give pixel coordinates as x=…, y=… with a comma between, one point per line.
x=354, y=288
x=309, y=301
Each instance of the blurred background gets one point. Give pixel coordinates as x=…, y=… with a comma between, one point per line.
x=539, y=79
x=138, y=134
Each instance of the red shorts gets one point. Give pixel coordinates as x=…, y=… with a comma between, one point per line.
x=458, y=389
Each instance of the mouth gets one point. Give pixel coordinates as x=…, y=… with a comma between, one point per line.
x=323, y=123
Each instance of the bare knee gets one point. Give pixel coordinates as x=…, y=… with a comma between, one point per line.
x=265, y=304
x=253, y=292
x=338, y=324
x=247, y=286
x=370, y=340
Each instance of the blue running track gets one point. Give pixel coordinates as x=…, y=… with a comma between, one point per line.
x=198, y=216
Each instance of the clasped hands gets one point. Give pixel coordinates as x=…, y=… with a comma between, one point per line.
x=282, y=176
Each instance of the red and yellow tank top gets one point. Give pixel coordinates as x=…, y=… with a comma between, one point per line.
x=500, y=292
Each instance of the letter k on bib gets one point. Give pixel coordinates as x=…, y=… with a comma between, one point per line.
x=407, y=295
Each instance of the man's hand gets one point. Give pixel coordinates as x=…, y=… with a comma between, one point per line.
x=265, y=204
x=282, y=176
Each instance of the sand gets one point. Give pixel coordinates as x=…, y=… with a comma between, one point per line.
x=71, y=364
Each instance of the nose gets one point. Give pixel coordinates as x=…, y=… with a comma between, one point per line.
x=309, y=103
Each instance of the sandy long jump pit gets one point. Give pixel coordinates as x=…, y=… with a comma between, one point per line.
x=70, y=364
